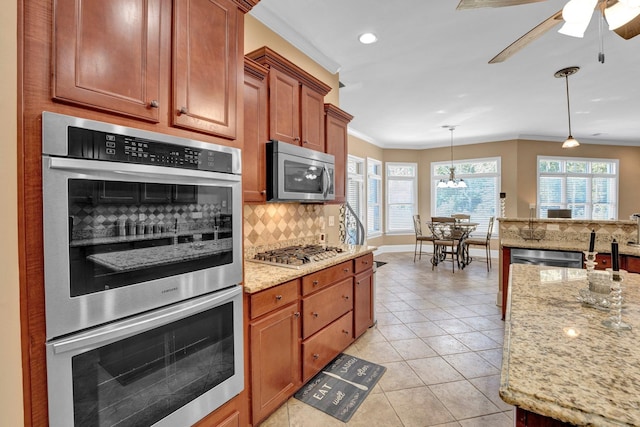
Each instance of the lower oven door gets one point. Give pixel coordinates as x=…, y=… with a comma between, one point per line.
x=170, y=367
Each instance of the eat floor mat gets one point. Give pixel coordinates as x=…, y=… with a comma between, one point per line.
x=341, y=387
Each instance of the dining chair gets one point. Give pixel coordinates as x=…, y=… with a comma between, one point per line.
x=446, y=240
x=486, y=242
x=419, y=237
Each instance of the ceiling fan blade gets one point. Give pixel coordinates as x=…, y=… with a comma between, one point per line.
x=630, y=29
x=532, y=35
x=475, y=4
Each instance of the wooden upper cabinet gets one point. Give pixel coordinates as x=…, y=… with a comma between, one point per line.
x=254, y=154
x=296, y=101
x=312, y=119
x=284, y=108
x=206, y=61
x=336, y=122
x=107, y=54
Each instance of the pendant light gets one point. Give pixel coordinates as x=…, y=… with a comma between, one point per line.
x=452, y=182
x=570, y=142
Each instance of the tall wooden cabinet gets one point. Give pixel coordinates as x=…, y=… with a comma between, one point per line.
x=336, y=122
x=255, y=132
x=296, y=101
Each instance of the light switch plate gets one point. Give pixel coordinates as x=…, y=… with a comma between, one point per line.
x=332, y=220
x=553, y=227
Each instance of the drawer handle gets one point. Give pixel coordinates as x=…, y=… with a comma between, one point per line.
x=314, y=314
x=316, y=356
x=184, y=110
x=365, y=262
x=346, y=270
x=296, y=314
x=278, y=297
x=154, y=103
x=346, y=297
x=344, y=331
x=315, y=283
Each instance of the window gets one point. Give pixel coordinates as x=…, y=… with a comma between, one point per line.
x=355, y=190
x=374, y=197
x=479, y=199
x=589, y=187
x=401, y=197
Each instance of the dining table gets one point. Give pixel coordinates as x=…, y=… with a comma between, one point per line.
x=458, y=231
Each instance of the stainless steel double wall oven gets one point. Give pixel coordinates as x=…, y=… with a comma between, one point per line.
x=143, y=257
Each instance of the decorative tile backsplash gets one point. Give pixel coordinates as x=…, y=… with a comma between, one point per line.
x=271, y=224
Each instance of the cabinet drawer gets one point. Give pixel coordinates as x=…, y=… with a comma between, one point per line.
x=320, y=279
x=604, y=261
x=632, y=264
x=273, y=298
x=324, y=307
x=320, y=349
x=363, y=263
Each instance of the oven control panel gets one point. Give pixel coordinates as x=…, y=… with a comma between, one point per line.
x=96, y=145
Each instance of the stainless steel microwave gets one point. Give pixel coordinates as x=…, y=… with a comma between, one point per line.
x=298, y=174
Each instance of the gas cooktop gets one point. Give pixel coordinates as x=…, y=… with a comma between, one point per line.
x=297, y=256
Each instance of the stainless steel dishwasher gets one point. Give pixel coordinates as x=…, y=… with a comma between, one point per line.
x=546, y=257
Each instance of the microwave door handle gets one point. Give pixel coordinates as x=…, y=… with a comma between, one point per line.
x=127, y=328
x=327, y=181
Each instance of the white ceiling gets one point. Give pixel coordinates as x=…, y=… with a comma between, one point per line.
x=430, y=69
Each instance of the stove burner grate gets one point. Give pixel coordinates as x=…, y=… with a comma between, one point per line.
x=297, y=256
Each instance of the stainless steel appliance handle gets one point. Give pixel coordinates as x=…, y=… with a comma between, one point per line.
x=124, y=329
x=132, y=169
x=327, y=181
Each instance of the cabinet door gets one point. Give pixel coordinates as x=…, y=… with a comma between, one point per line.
x=312, y=119
x=254, y=155
x=284, y=107
x=205, y=66
x=363, y=303
x=118, y=192
x=155, y=193
x=107, y=55
x=336, y=122
x=275, y=360
x=185, y=193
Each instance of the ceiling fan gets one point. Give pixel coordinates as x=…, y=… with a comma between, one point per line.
x=623, y=17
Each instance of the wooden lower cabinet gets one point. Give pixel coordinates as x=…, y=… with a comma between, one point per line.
x=603, y=261
x=325, y=306
x=363, y=303
x=631, y=264
x=322, y=347
x=275, y=359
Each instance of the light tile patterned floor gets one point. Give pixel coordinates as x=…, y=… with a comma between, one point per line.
x=440, y=336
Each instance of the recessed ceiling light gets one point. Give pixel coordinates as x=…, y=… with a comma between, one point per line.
x=367, y=38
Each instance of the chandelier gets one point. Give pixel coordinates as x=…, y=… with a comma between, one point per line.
x=452, y=182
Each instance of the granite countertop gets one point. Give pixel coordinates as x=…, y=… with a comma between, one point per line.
x=135, y=259
x=559, y=360
x=258, y=277
x=568, y=245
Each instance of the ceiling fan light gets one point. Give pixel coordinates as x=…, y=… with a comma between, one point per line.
x=572, y=29
x=620, y=14
x=577, y=15
x=630, y=3
x=570, y=142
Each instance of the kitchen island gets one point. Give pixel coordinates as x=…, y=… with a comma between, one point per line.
x=559, y=362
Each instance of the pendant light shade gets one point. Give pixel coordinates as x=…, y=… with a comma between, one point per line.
x=452, y=182
x=570, y=142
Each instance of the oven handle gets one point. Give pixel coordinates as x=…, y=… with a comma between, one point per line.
x=138, y=170
x=124, y=329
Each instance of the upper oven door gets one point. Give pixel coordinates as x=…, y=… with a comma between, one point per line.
x=120, y=239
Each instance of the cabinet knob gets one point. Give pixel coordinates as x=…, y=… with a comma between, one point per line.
x=263, y=192
x=358, y=282
x=316, y=356
x=154, y=104
x=296, y=314
x=344, y=331
x=346, y=270
x=604, y=262
x=365, y=262
x=314, y=314
x=346, y=297
x=297, y=138
x=315, y=283
x=184, y=110
x=278, y=297
x=305, y=142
